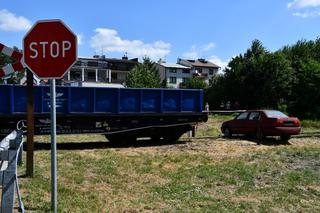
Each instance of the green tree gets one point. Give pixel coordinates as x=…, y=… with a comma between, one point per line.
x=144, y=75
x=195, y=83
x=216, y=92
x=256, y=79
x=305, y=61
x=287, y=79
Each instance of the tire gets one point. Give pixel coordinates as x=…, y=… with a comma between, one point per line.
x=259, y=136
x=227, y=133
x=285, y=138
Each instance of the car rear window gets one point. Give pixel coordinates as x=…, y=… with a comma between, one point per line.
x=275, y=114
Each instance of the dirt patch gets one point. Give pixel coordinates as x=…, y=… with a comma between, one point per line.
x=217, y=148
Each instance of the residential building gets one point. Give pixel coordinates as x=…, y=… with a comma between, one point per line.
x=179, y=73
x=100, y=69
x=120, y=68
x=175, y=74
x=200, y=68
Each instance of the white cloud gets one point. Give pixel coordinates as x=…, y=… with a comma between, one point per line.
x=209, y=46
x=108, y=40
x=307, y=14
x=301, y=5
x=193, y=53
x=298, y=4
x=218, y=61
x=9, y=22
x=196, y=51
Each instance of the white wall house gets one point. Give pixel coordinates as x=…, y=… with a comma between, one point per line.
x=178, y=73
x=175, y=74
x=100, y=69
x=201, y=68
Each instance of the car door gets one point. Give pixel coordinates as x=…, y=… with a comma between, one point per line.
x=239, y=123
x=253, y=122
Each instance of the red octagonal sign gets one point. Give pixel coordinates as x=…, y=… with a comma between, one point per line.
x=50, y=49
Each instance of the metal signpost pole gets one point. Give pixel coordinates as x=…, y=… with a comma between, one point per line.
x=53, y=145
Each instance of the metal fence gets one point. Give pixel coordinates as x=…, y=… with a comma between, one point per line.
x=10, y=155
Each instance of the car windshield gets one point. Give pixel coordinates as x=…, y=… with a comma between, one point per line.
x=275, y=114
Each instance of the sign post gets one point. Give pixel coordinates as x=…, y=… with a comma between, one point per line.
x=50, y=50
x=53, y=145
x=30, y=124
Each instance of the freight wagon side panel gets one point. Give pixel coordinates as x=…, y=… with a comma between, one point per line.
x=84, y=100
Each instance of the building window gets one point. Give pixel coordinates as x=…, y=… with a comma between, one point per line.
x=114, y=76
x=172, y=70
x=91, y=76
x=102, y=75
x=210, y=71
x=184, y=80
x=186, y=71
x=172, y=80
x=199, y=70
x=102, y=64
x=83, y=63
x=75, y=74
x=92, y=64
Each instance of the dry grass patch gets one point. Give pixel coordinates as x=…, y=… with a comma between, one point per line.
x=205, y=174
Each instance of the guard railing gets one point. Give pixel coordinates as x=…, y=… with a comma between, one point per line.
x=10, y=156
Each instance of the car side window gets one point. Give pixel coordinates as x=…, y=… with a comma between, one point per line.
x=242, y=116
x=254, y=116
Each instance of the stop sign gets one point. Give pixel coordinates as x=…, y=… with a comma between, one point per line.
x=50, y=49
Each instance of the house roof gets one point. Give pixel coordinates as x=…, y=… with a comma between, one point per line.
x=198, y=63
x=176, y=66
x=113, y=60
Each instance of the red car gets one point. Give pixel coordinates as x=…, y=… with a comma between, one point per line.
x=262, y=123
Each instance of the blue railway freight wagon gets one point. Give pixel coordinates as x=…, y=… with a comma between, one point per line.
x=118, y=113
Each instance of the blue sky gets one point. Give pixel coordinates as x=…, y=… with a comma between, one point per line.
x=213, y=29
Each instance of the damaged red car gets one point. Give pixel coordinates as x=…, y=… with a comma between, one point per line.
x=262, y=123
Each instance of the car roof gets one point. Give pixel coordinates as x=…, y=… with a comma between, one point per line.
x=261, y=110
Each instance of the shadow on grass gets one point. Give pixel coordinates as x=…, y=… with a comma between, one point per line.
x=315, y=134
x=274, y=141
x=103, y=145
x=268, y=141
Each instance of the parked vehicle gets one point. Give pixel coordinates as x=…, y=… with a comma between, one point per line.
x=118, y=113
x=262, y=123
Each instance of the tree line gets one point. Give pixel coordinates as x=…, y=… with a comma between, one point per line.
x=287, y=79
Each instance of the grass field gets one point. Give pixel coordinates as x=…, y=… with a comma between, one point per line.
x=205, y=174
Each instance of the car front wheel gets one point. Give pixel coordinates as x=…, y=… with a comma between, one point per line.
x=227, y=133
